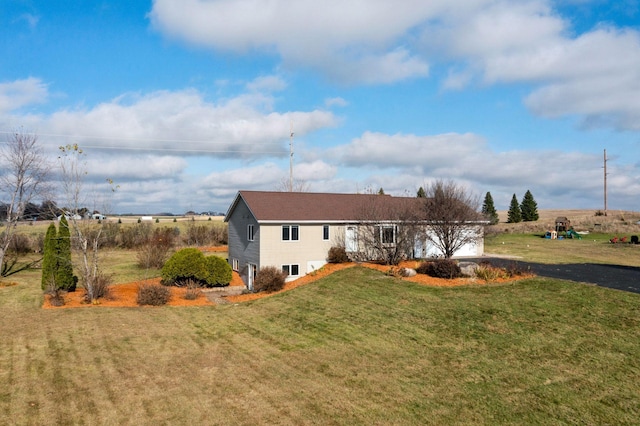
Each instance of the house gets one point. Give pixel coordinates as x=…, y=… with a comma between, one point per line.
x=295, y=230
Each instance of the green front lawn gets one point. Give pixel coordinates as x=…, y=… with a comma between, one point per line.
x=356, y=347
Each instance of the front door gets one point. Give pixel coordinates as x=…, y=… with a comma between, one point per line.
x=351, y=239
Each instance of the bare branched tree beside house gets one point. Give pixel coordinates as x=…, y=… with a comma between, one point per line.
x=388, y=228
x=24, y=178
x=451, y=212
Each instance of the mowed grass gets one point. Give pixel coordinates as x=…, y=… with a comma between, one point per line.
x=592, y=248
x=356, y=347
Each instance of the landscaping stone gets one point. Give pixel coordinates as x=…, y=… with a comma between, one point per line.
x=468, y=268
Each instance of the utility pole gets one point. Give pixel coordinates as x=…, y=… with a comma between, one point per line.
x=605, y=182
x=291, y=157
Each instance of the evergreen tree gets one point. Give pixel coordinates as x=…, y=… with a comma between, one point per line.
x=64, y=273
x=421, y=193
x=50, y=256
x=515, y=215
x=381, y=191
x=489, y=210
x=529, y=208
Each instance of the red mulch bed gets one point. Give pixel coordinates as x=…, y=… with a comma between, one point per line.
x=124, y=295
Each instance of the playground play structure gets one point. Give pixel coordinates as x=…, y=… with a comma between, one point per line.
x=563, y=225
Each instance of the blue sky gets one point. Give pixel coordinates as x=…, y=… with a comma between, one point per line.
x=183, y=103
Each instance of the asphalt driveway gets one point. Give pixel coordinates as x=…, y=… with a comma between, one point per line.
x=626, y=278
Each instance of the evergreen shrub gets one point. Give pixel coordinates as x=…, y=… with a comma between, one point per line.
x=190, y=264
x=183, y=265
x=220, y=272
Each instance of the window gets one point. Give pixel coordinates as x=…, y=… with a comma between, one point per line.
x=291, y=270
x=325, y=232
x=387, y=234
x=235, y=264
x=250, y=233
x=290, y=233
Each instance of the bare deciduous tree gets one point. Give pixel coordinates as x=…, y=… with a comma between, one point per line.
x=388, y=228
x=86, y=233
x=24, y=178
x=285, y=185
x=452, y=215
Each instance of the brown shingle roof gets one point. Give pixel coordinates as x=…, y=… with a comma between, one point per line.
x=314, y=206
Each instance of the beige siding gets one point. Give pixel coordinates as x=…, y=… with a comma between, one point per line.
x=308, y=252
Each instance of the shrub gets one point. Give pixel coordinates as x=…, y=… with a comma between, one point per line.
x=21, y=244
x=193, y=290
x=110, y=234
x=269, y=279
x=56, y=295
x=487, y=272
x=516, y=270
x=422, y=268
x=101, y=284
x=185, y=264
x=154, y=253
x=337, y=255
x=441, y=268
x=135, y=236
x=153, y=294
x=220, y=273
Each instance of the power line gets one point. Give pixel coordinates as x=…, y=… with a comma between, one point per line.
x=166, y=149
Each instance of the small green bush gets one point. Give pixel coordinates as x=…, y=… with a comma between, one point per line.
x=269, y=279
x=153, y=294
x=185, y=264
x=337, y=255
x=441, y=268
x=220, y=272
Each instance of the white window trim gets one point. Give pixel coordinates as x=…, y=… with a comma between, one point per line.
x=328, y=228
x=381, y=235
x=290, y=266
x=251, y=235
x=290, y=233
x=235, y=264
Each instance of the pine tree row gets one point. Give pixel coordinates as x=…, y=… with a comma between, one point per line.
x=526, y=211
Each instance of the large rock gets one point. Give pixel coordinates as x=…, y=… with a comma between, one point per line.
x=408, y=272
x=468, y=268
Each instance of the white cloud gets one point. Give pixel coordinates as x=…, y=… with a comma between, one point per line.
x=183, y=122
x=354, y=41
x=20, y=93
x=314, y=171
x=400, y=150
x=129, y=166
x=338, y=102
x=595, y=74
x=266, y=176
x=269, y=83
